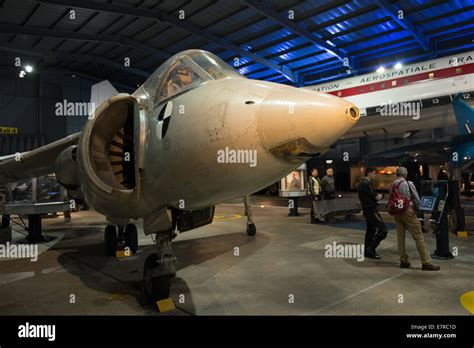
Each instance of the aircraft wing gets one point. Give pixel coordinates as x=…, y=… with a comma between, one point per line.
x=430, y=151
x=30, y=164
x=4, y=158
x=421, y=152
x=461, y=139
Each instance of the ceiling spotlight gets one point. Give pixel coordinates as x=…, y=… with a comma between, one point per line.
x=381, y=70
x=329, y=161
x=28, y=68
x=398, y=66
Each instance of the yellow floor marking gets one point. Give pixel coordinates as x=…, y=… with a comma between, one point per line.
x=118, y=297
x=462, y=234
x=226, y=217
x=467, y=300
x=123, y=253
x=165, y=305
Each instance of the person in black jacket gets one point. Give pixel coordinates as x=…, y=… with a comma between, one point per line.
x=376, y=229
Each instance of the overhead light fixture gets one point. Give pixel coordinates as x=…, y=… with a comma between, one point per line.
x=380, y=69
x=398, y=66
x=328, y=161
x=28, y=68
x=142, y=96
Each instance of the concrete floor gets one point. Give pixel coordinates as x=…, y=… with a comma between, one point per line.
x=285, y=260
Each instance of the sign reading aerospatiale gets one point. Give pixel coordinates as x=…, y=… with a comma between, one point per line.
x=8, y=130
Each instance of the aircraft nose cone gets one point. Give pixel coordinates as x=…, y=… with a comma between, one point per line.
x=294, y=123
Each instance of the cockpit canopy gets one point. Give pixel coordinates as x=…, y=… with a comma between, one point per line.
x=182, y=72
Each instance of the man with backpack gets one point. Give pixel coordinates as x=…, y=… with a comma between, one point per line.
x=376, y=229
x=402, y=204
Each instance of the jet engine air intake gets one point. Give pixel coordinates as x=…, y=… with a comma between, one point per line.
x=107, y=157
x=108, y=143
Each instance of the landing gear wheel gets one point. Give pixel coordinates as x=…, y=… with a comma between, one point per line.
x=111, y=240
x=131, y=237
x=251, y=230
x=155, y=288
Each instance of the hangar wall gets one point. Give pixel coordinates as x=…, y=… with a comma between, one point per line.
x=29, y=104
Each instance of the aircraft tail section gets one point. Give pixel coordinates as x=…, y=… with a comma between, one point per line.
x=464, y=114
x=101, y=92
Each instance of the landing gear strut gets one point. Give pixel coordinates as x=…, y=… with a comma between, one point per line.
x=251, y=228
x=159, y=269
x=126, y=235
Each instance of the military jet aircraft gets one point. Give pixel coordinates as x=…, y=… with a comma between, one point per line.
x=195, y=134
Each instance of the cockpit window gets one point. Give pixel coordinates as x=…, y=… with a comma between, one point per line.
x=181, y=76
x=213, y=65
x=182, y=72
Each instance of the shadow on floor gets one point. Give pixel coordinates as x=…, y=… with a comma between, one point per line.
x=88, y=252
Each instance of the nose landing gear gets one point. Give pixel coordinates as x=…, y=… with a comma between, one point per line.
x=159, y=269
x=251, y=228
